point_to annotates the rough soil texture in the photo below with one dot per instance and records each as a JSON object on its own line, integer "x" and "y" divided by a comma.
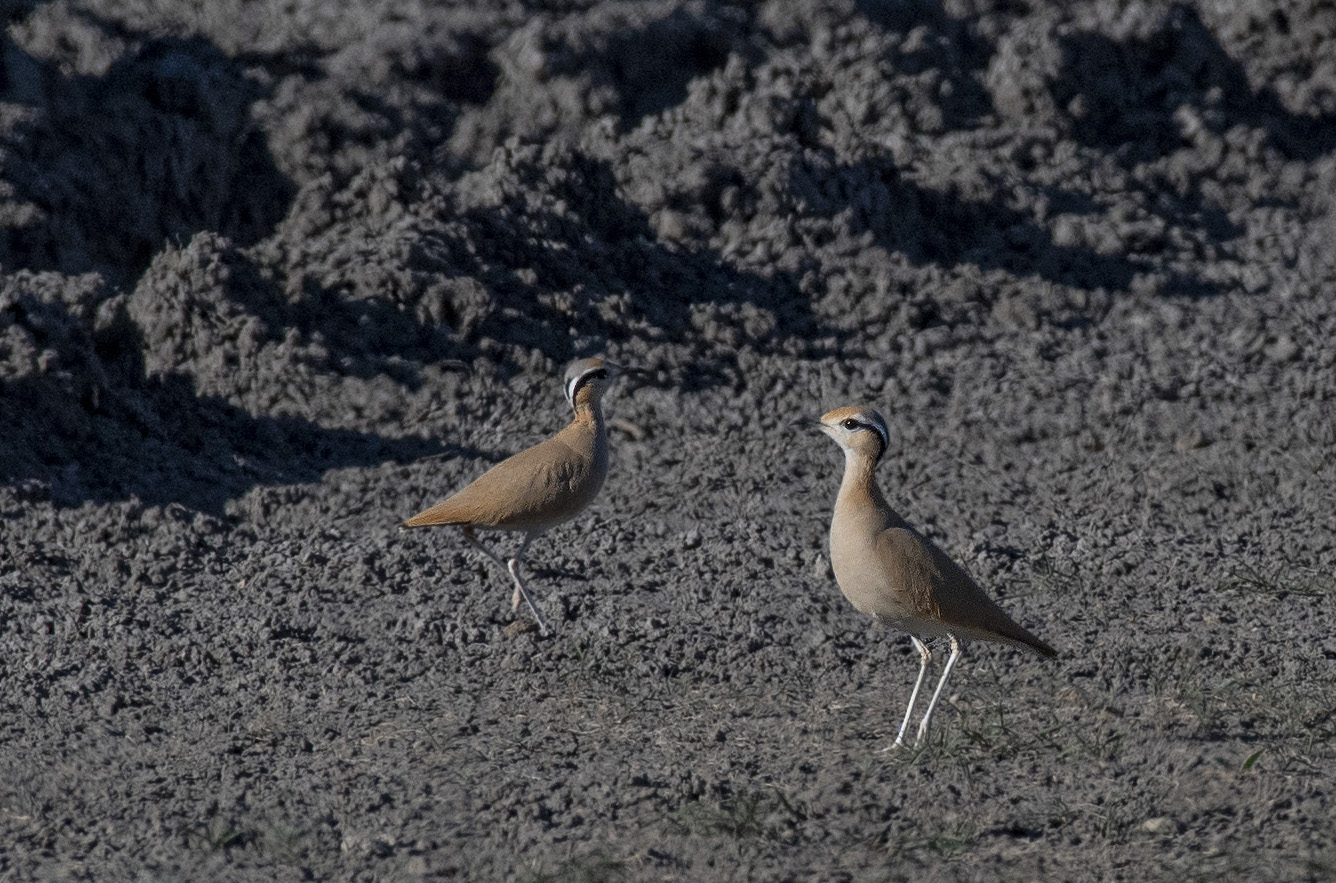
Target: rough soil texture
{"x": 1082, "y": 257}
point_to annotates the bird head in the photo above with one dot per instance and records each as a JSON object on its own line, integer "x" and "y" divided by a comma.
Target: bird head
{"x": 588, "y": 379}
{"x": 858, "y": 430}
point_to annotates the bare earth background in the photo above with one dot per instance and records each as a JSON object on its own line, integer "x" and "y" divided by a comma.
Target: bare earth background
{"x": 1081, "y": 256}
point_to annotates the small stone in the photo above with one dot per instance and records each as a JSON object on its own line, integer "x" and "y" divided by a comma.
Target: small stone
{"x": 1191, "y": 440}
{"x": 1283, "y": 350}
{"x": 1066, "y": 234}
{"x": 672, "y": 226}
{"x": 1159, "y": 825}
{"x": 519, "y": 627}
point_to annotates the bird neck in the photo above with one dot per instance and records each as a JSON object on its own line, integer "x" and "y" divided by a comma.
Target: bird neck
{"x": 589, "y": 416}
{"x": 587, "y": 434}
{"x": 858, "y": 489}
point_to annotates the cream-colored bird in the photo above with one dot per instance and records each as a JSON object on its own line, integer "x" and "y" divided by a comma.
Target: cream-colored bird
{"x": 890, "y": 571}
{"x": 541, "y": 487}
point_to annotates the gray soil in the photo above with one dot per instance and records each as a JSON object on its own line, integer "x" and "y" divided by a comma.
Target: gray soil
{"x": 1081, "y": 256}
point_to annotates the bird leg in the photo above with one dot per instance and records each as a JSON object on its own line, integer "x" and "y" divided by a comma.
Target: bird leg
{"x": 477, "y": 544}
{"x": 521, "y": 591}
{"x": 513, "y": 569}
{"x": 937, "y": 694}
{"x": 925, "y": 656}
{"x": 519, "y": 587}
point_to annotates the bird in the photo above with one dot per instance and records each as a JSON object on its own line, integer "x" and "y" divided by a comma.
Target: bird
{"x": 540, "y": 487}
{"x": 890, "y": 571}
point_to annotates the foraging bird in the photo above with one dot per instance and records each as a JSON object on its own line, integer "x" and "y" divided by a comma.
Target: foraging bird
{"x": 890, "y": 571}
{"x": 540, "y": 487}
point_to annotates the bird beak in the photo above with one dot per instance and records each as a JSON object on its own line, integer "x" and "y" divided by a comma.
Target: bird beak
{"x": 808, "y": 423}
{"x": 625, "y": 369}
{"x": 629, "y": 371}
{"x": 456, "y": 365}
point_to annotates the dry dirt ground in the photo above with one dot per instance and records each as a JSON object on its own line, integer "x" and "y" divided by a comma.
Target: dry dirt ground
{"x": 1081, "y": 256}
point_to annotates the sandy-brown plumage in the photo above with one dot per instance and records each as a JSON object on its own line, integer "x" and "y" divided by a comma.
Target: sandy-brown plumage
{"x": 890, "y": 571}
{"x": 542, "y": 486}
{"x": 539, "y": 487}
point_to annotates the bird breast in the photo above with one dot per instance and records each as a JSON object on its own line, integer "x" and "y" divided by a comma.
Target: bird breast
{"x": 880, "y": 563}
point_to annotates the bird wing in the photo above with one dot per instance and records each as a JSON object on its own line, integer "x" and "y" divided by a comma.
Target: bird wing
{"x": 536, "y": 486}
{"x": 938, "y": 588}
{"x": 910, "y": 570}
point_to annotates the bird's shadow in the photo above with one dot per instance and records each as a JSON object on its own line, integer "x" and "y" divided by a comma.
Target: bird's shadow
{"x": 558, "y": 573}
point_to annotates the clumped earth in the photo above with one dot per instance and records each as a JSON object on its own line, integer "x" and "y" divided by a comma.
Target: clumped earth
{"x": 279, "y": 274}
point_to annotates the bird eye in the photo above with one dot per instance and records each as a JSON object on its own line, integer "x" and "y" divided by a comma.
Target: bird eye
{"x": 850, "y": 423}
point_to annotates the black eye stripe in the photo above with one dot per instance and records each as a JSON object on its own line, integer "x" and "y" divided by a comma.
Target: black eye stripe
{"x": 582, "y": 379}
{"x": 854, "y": 424}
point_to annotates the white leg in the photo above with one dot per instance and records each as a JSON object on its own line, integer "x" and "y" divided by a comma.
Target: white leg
{"x": 937, "y": 694}
{"x": 520, "y": 590}
{"x": 925, "y": 656}
{"x": 512, "y": 568}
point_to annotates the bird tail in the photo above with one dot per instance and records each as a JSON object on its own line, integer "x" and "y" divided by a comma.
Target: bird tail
{"x": 1043, "y": 649}
{"x": 1025, "y": 639}
{"x": 439, "y": 515}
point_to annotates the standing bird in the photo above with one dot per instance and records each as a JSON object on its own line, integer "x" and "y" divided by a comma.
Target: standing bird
{"x": 889, "y": 570}
{"x": 540, "y": 487}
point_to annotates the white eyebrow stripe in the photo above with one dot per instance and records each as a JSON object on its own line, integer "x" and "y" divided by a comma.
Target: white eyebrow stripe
{"x": 573, "y": 386}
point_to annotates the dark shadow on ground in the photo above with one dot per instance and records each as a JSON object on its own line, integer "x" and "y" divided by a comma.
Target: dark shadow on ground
{"x": 359, "y": 336}
{"x": 945, "y": 44}
{"x": 650, "y": 66}
{"x": 1129, "y": 96}
{"x": 597, "y": 245}
{"x": 942, "y": 227}
{"x": 93, "y": 426}
{"x": 107, "y": 169}
{"x": 1143, "y": 100}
